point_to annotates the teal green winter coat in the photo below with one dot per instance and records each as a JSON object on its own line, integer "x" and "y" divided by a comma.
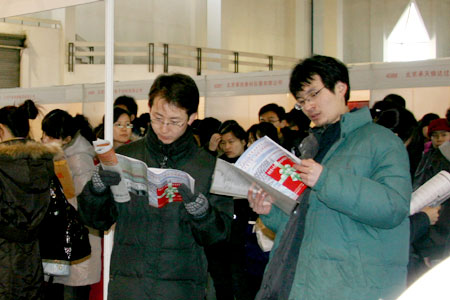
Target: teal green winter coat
{"x": 356, "y": 237}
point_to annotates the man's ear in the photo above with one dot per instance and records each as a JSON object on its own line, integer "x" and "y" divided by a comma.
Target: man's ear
{"x": 192, "y": 118}
{"x": 341, "y": 88}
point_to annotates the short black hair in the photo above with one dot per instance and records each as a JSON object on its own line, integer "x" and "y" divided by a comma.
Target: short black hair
{"x": 264, "y": 129}
{"x": 278, "y": 110}
{"x": 328, "y": 68}
{"x": 395, "y": 99}
{"x": 233, "y": 127}
{"x": 128, "y": 102}
{"x": 177, "y": 89}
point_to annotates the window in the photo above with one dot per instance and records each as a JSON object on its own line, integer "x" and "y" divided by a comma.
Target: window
{"x": 409, "y": 40}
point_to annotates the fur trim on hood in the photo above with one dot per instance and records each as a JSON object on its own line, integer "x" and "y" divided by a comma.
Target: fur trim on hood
{"x": 21, "y": 148}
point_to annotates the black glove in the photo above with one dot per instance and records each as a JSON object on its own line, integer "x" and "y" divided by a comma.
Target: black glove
{"x": 102, "y": 179}
{"x": 196, "y": 204}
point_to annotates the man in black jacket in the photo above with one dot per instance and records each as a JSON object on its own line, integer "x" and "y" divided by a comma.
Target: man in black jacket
{"x": 158, "y": 252}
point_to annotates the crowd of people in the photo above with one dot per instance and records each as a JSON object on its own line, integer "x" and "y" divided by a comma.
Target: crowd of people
{"x": 349, "y": 236}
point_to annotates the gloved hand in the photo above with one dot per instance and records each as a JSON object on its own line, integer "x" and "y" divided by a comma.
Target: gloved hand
{"x": 196, "y": 204}
{"x": 102, "y": 179}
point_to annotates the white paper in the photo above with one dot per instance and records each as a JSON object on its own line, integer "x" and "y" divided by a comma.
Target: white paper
{"x": 432, "y": 193}
{"x": 261, "y": 159}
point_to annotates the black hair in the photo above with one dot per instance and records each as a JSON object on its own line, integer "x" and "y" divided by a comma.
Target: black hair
{"x": 99, "y": 131}
{"x": 142, "y": 123}
{"x": 206, "y": 128}
{"x": 298, "y": 117}
{"x": 59, "y": 124}
{"x": 177, "y": 89}
{"x": 278, "y": 110}
{"x": 16, "y": 118}
{"x": 395, "y": 99}
{"x": 128, "y": 102}
{"x": 262, "y": 129}
{"x": 233, "y": 127}
{"x": 328, "y": 68}
{"x": 426, "y": 119}
{"x": 400, "y": 120}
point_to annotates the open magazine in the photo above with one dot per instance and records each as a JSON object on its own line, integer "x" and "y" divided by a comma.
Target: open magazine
{"x": 267, "y": 164}
{"x": 432, "y": 193}
{"x": 159, "y": 185}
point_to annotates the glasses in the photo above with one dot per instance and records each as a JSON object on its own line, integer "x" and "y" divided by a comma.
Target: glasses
{"x": 301, "y": 102}
{"x": 161, "y": 122}
{"x": 122, "y": 126}
{"x": 273, "y": 121}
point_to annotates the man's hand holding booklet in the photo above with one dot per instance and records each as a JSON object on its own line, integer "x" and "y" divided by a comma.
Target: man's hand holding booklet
{"x": 269, "y": 166}
{"x": 159, "y": 185}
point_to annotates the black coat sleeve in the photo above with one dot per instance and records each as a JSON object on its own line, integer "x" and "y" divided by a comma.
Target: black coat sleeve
{"x": 216, "y": 225}
{"x": 419, "y": 224}
{"x": 97, "y": 210}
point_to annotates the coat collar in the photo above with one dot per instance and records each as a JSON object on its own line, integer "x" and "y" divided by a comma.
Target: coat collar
{"x": 355, "y": 119}
{"x": 174, "y": 152}
{"x": 21, "y": 148}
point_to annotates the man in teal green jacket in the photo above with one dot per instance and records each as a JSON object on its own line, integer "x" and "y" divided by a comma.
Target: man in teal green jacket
{"x": 348, "y": 237}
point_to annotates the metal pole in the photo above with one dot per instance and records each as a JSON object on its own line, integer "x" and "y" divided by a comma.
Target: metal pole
{"x": 109, "y": 101}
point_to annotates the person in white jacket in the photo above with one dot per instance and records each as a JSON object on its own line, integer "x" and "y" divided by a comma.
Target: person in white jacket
{"x": 75, "y": 136}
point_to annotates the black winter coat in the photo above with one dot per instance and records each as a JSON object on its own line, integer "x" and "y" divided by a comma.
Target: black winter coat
{"x": 158, "y": 252}
{"x": 26, "y": 168}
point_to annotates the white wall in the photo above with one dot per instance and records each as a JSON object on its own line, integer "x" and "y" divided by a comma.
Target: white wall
{"x": 41, "y": 60}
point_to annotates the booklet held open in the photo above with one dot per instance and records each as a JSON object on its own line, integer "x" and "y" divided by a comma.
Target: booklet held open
{"x": 267, "y": 164}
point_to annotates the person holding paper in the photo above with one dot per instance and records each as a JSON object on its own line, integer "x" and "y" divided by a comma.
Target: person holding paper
{"x": 75, "y": 136}
{"x": 158, "y": 252}
{"x": 430, "y": 228}
{"x": 348, "y": 237}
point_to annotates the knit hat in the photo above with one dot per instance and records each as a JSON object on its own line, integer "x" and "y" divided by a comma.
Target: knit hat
{"x": 438, "y": 125}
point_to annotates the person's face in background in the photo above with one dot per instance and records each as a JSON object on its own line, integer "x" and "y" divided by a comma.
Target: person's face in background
{"x": 168, "y": 121}
{"x": 272, "y": 117}
{"x": 122, "y": 130}
{"x": 439, "y": 137}
{"x": 231, "y": 145}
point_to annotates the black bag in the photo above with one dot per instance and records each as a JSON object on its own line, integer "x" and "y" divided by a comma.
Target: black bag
{"x": 62, "y": 237}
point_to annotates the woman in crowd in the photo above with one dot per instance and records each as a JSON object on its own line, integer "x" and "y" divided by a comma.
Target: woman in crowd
{"x": 430, "y": 228}
{"x": 122, "y": 129}
{"x": 26, "y": 168}
{"x": 75, "y": 136}
{"x": 228, "y": 260}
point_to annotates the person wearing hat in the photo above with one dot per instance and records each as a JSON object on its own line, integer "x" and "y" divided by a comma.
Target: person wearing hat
{"x": 430, "y": 228}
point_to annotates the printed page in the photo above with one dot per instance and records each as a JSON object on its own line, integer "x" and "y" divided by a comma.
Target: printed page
{"x": 432, "y": 193}
{"x": 228, "y": 181}
{"x": 267, "y": 164}
{"x": 159, "y": 185}
{"x": 270, "y": 163}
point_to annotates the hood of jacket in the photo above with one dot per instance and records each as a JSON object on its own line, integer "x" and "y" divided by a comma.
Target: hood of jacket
{"x": 27, "y": 163}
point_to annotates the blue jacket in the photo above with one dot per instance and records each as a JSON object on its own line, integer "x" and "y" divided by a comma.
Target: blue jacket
{"x": 356, "y": 237}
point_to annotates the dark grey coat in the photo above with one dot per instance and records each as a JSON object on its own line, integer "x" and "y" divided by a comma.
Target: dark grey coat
{"x": 158, "y": 252}
{"x": 26, "y": 168}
